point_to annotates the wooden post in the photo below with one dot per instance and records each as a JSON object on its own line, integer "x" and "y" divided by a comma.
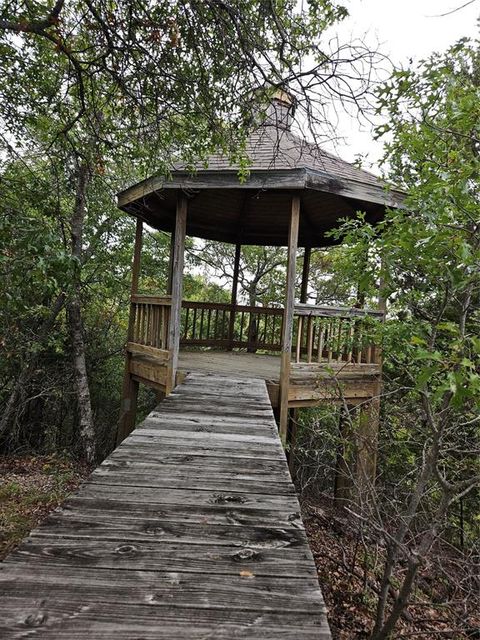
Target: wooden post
{"x": 128, "y": 407}
{"x": 292, "y": 438}
{"x": 176, "y": 289}
{"x": 305, "y": 272}
{"x": 369, "y": 423}
{"x": 344, "y": 480}
{"x": 288, "y": 316}
{"x": 170, "y": 263}
{"x": 366, "y": 448}
{"x": 233, "y": 299}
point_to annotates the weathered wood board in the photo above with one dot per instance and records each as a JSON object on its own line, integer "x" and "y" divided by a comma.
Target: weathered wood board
{"x": 190, "y": 529}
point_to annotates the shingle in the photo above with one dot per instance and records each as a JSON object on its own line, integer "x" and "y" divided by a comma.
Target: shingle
{"x": 274, "y": 148}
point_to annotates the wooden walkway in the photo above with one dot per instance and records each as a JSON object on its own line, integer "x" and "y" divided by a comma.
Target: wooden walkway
{"x": 190, "y": 529}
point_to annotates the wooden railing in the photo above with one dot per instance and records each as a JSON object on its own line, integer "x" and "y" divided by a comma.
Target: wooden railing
{"x": 211, "y": 324}
{"x": 320, "y": 334}
{"x": 335, "y": 335}
{"x": 149, "y": 321}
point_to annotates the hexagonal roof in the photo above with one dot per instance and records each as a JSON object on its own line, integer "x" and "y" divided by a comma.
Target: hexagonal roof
{"x": 258, "y": 210}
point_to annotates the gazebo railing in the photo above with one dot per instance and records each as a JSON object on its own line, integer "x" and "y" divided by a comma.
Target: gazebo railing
{"x": 149, "y": 317}
{"x": 321, "y": 334}
{"x": 222, "y": 325}
{"x": 335, "y": 335}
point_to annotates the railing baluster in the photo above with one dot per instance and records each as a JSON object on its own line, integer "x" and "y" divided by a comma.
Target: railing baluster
{"x": 242, "y": 319}
{"x": 329, "y": 340}
{"x": 369, "y": 354}
{"x": 223, "y": 324}
{"x": 201, "y": 324}
{"x": 194, "y": 322}
{"x": 351, "y": 332}
{"x": 339, "y": 340}
{"x": 321, "y": 336}
{"x": 299, "y": 337}
{"x": 209, "y": 320}
{"x": 151, "y": 327}
{"x": 309, "y": 339}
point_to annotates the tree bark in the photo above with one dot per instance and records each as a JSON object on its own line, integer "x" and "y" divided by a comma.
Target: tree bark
{"x": 75, "y": 323}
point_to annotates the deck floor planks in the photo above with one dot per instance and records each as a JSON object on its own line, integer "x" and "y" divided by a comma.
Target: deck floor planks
{"x": 190, "y": 529}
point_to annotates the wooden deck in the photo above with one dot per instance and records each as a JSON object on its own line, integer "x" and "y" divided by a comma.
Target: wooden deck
{"x": 228, "y": 363}
{"x": 190, "y": 529}
{"x": 309, "y": 384}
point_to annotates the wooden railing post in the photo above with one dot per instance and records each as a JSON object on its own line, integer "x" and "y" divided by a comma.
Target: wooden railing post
{"x": 128, "y": 408}
{"x": 177, "y": 288}
{"x": 305, "y": 273}
{"x": 288, "y": 316}
{"x": 233, "y": 299}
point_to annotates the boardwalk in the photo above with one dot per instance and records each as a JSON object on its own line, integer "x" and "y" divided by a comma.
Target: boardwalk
{"x": 190, "y": 529}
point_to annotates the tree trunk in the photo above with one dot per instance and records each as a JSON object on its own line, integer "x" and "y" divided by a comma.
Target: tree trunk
{"x": 75, "y": 323}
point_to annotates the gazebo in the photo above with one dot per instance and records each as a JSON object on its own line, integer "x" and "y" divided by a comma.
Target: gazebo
{"x": 295, "y": 193}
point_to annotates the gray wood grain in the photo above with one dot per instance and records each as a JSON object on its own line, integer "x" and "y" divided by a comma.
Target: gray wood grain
{"x": 190, "y": 529}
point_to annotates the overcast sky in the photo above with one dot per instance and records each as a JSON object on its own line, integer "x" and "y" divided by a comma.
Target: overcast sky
{"x": 403, "y": 30}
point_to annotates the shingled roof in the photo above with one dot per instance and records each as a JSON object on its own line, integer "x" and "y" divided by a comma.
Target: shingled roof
{"x": 271, "y": 148}
{"x": 257, "y": 211}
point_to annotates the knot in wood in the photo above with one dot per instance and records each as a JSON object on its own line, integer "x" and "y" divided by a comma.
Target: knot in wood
{"x": 125, "y": 548}
{"x": 246, "y": 554}
{"x": 220, "y": 498}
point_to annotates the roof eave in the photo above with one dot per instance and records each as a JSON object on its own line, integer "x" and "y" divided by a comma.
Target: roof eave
{"x": 364, "y": 191}
{"x": 285, "y": 179}
{"x": 282, "y": 179}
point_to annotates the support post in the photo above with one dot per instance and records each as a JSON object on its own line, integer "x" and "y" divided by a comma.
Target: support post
{"x": 233, "y": 299}
{"x": 288, "y": 312}
{"x": 367, "y": 447}
{"x": 344, "y": 470}
{"x": 176, "y": 289}
{"x": 292, "y": 438}
{"x": 128, "y": 408}
{"x": 369, "y": 423}
{"x": 305, "y": 273}
{"x": 170, "y": 263}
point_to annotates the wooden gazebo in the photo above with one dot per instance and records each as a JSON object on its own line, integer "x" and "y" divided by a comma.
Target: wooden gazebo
{"x": 295, "y": 193}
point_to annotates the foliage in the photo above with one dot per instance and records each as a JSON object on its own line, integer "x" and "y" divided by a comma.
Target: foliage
{"x": 427, "y": 256}
{"x": 32, "y": 486}
{"x": 96, "y": 94}
{"x": 152, "y": 81}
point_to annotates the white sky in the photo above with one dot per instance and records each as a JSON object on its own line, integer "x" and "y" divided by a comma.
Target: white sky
{"x": 403, "y": 30}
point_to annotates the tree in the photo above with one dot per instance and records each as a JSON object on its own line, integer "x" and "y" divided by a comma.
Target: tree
{"x": 96, "y": 87}
{"x": 431, "y": 271}
{"x": 261, "y": 274}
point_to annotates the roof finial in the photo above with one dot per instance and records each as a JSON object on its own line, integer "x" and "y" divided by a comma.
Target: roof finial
{"x": 281, "y": 109}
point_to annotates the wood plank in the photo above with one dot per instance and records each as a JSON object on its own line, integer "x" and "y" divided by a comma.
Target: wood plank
{"x": 144, "y": 447}
{"x": 177, "y": 463}
{"x": 325, "y": 311}
{"x": 121, "y": 513}
{"x": 190, "y": 529}
{"x": 272, "y": 470}
{"x": 148, "y": 556}
{"x": 151, "y": 495}
{"x": 155, "y": 300}
{"x": 162, "y": 356}
{"x": 65, "y": 619}
{"x": 207, "y": 482}
{"x": 159, "y": 588}
{"x": 151, "y": 371}
{"x": 207, "y": 437}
